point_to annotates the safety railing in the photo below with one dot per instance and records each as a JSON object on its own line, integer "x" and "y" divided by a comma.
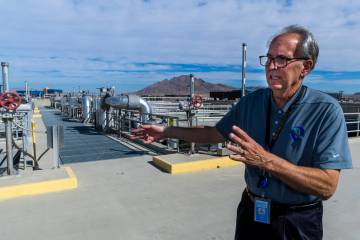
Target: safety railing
{"x": 353, "y": 123}
{"x": 123, "y": 121}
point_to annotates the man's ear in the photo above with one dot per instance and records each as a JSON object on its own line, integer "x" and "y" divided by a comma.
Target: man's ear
{"x": 308, "y": 64}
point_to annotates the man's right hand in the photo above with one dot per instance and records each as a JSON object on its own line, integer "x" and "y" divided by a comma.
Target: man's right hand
{"x": 149, "y": 133}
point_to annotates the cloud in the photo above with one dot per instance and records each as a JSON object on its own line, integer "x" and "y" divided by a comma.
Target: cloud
{"x": 100, "y": 39}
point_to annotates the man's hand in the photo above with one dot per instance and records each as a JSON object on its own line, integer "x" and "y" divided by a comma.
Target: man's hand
{"x": 319, "y": 182}
{"x": 149, "y": 133}
{"x": 247, "y": 150}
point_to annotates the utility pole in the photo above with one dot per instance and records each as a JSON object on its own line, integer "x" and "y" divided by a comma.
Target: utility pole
{"x": 191, "y": 112}
{"x": 243, "y": 70}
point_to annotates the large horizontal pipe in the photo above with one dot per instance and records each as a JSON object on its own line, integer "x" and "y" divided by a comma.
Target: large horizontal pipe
{"x": 27, "y": 107}
{"x": 131, "y": 102}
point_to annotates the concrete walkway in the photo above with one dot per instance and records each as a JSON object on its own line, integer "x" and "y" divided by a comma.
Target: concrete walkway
{"x": 342, "y": 211}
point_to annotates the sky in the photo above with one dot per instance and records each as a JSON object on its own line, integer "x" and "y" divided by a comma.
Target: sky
{"x": 130, "y": 44}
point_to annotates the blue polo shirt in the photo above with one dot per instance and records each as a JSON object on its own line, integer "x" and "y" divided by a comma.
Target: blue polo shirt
{"x": 313, "y": 136}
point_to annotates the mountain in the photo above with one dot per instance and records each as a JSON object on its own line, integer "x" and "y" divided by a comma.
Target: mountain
{"x": 181, "y": 86}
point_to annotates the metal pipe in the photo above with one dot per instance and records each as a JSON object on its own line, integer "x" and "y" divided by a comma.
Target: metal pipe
{"x": 358, "y": 126}
{"x": 107, "y": 120}
{"x": 34, "y": 142}
{"x": 192, "y": 85}
{"x": 5, "y": 76}
{"x": 100, "y": 114}
{"x": 8, "y": 121}
{"x": 26, "y": 91}
{"x": 86, "y": 108}
{"x": 25, "y": 138}
{"x": 190, "y": 114}
{"x": 131, "y": 102}
{"x": 55, "y": 142}
{"x": 144, "y": 109}
{"x": 9, "y": 152}
{"x": 129, "y": 123}
{"x": 243, "y": 69}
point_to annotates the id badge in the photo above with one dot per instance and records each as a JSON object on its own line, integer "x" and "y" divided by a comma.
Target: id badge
{"x": 262, "y": 210}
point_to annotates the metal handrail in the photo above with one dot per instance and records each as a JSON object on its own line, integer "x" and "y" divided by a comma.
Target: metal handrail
{"x": 352, "y": 122}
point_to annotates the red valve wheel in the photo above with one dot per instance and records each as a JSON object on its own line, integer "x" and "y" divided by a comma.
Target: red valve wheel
{"x": 197, "y": 101}
{"x": 10, "y": 100}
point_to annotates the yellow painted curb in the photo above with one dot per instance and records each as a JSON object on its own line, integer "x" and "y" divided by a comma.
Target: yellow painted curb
{"x": 194, "y": 166}
{"x": 37, "y": 115}
{"x": 40, "y": 187}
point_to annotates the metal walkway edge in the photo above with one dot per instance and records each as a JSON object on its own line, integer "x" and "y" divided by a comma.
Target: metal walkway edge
{"x": 83, "y": 143}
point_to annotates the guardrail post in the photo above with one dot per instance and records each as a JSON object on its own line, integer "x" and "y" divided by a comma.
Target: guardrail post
{"x": 33, "y": 137}
{"x": 122, "y": 122}
{"x": 24, "y": 139}
{"x": 118, "y": 119}
{"x": 129, "y": 116}
{"x": 56, "y": 162}
{"x": 358, "y": 125}
{"x": 55, "y": 140}
{"x": 9, "y": 153}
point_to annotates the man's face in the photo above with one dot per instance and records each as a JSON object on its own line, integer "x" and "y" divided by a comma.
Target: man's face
{"x": 286, "y": 80}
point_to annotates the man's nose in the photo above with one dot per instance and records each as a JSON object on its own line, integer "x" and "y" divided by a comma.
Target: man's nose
{"x": 272, "y": 64}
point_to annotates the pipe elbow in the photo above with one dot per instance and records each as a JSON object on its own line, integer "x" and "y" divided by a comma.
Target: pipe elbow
{"x": 145, "y": 107}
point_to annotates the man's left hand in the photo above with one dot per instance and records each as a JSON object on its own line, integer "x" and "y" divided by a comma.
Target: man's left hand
{"x": 247, "y": 150}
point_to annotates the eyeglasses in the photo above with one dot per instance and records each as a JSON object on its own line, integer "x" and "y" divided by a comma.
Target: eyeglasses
{"x": 279, "y": 61}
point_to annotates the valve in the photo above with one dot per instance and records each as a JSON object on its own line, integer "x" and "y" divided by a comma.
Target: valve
{"x": 197, "y": 101}
{"x": 10, "y": 100}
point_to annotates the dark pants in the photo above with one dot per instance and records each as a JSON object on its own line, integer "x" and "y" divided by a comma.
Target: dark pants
{"x": 286, "y": 223}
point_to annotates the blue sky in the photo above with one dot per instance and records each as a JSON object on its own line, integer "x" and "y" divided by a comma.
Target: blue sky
{"x": 129, "y": 44}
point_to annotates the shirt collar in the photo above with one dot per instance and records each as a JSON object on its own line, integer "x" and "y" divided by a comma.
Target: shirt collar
{"x": 288, "y": 103}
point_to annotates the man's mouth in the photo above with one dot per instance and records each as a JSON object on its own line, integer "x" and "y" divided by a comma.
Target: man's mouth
{"x": 275, "y": 82}
{"x": 272, "y": 77}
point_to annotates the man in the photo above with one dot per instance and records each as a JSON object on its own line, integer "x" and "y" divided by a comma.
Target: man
{"x": 291, "y": 138}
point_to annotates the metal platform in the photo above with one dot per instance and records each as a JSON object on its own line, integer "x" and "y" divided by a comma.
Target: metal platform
{"x": 83, "y": 143}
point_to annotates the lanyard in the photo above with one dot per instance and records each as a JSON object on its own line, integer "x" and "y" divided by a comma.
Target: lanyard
{"x": 270, "y": 143}
{"x": 263, "y": 179}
